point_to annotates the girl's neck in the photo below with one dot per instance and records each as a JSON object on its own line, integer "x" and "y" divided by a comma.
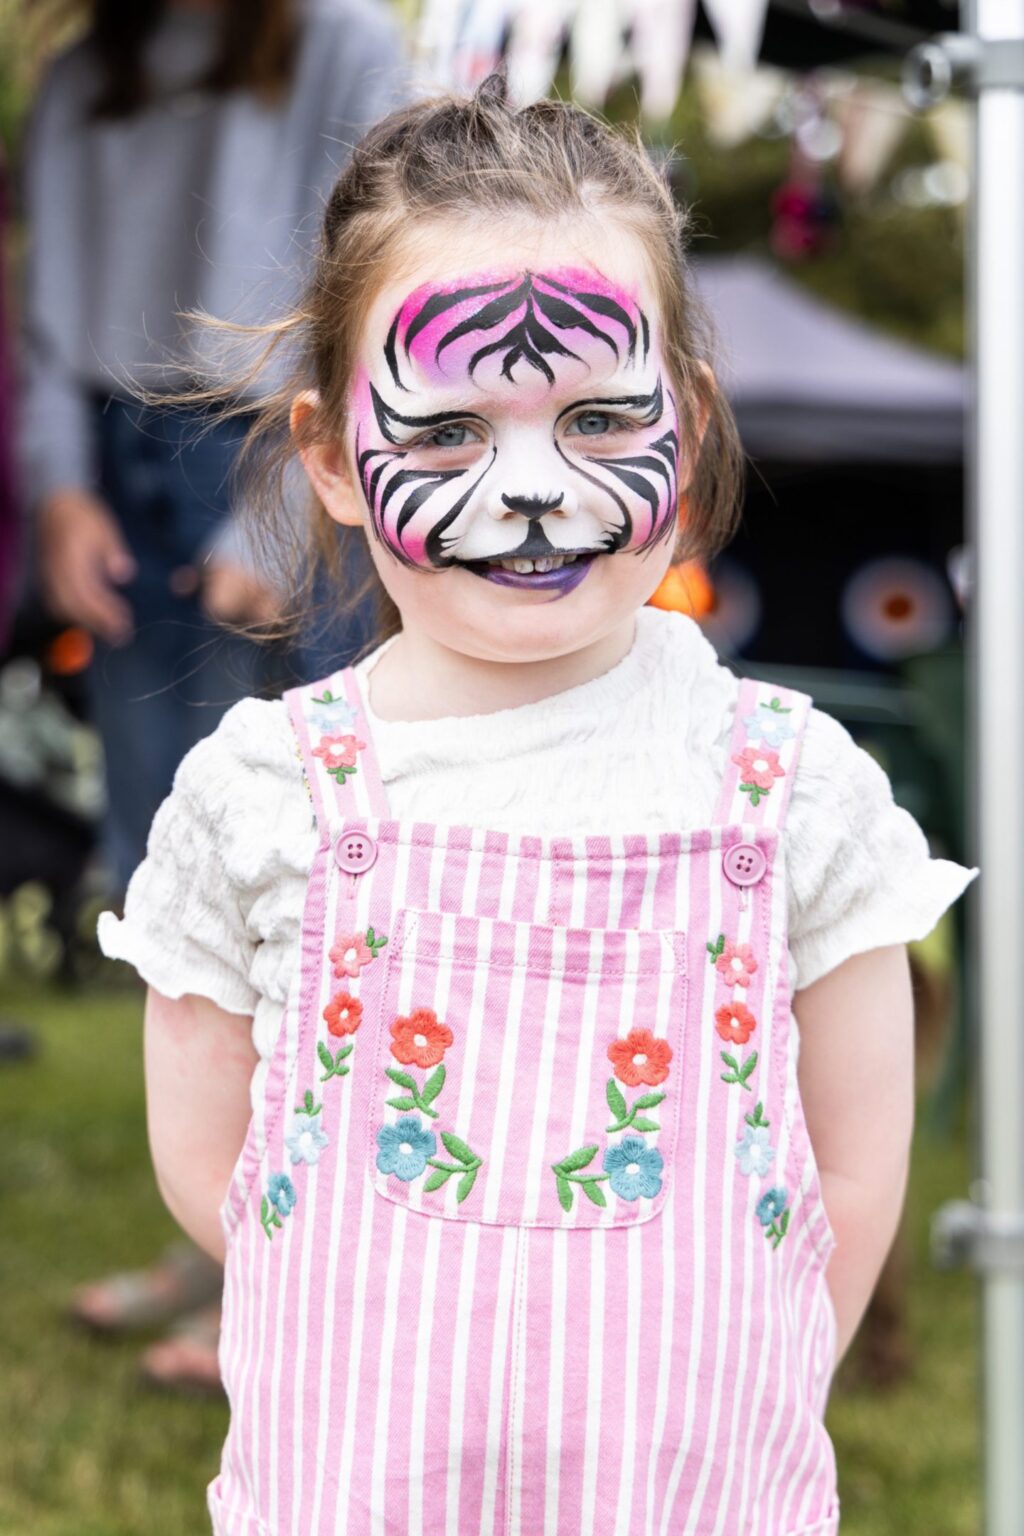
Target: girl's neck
{"x": 419, "y": 679}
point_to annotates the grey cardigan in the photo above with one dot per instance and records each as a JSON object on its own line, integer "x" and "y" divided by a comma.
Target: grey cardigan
{"x": 196, "y": 201}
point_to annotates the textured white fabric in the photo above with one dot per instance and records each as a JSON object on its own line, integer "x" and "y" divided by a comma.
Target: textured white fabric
{"x": 215, "y": 908}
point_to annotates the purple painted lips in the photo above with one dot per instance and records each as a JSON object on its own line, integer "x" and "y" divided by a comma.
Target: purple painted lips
{"x": 561, "y": 579}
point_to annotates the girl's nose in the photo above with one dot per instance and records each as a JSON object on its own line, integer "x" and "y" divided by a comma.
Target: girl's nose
{"x": 534, "y": 506}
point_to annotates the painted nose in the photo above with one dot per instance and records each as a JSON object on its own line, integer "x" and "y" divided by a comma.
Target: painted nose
{"x": 534, "y": 507}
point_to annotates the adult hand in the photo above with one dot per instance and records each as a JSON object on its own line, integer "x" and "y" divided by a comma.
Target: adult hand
{"x": 83, "y": 558}
{"x": 233, "y": 594}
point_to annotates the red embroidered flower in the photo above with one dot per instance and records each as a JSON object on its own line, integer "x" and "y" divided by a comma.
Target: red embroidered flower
{"x": 338, "y": 751}
{"x": 735, "y": 1023}
{"x": 736, "y": 964}
{"x": 343, "y": 1014}
{"x": 640, "y": 1058}
{"x": 421, "y": 1039}
{"x": 349, "y": 953}
{"x": 759, "y": 766}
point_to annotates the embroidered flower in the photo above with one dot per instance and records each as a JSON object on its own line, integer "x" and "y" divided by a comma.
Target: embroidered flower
{"x": 771, "y": 1206}
{"x": 343, "y": 1014}
{"x": 349, "y": 953}
{"x": 338, "y": 752}
{"x": 755, "y": 1152}
{"x": 633, "y": 1168}
{"x": 281, "y": 1193}
{"x": 759, "y": 767}
{"x": 421, "y": 1039}
{"x": 405, "y": 1147}
{"x": 306, "y": 1139}
{"x": 334, "y": 714}
{"x": 767, "y": 725}
{"x": 640, "y": 1058}
{"x": 736, "y": 964}
{"x": 735, "y": 1023}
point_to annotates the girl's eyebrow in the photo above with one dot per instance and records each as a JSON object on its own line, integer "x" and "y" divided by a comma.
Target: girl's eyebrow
{"x": 386, "y": 417}
{"x": 651, "y": 405}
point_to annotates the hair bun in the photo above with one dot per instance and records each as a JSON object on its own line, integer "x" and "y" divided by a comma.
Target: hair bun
{"x": 493, "y": 91}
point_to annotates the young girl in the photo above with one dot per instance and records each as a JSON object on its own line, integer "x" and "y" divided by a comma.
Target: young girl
{"x": 478, "y": 973}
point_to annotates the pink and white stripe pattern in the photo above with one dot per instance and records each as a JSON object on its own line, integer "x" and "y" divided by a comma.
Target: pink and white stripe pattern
{"x": 624, "y": 1347}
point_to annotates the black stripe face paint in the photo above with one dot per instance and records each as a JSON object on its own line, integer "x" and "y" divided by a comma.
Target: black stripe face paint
{"x": 517, "y": 416}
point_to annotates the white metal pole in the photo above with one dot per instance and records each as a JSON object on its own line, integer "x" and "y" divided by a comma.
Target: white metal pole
{"x": 996, "y": 479}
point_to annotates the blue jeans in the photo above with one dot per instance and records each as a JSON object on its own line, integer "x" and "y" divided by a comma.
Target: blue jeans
{"x": 166, "y": 475}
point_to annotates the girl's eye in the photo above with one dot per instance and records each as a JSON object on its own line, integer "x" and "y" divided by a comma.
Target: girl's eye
{"x": 454, "y": 436}
{"x": 593, "y": 424}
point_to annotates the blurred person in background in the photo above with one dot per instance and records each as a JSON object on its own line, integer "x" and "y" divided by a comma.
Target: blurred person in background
{"x": 177, "y": 159}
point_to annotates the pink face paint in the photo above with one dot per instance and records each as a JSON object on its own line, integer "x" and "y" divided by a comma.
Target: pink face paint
{"x": 517, "y": 416}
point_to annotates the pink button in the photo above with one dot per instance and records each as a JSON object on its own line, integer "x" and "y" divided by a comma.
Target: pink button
{"x": 355, "y": 853}
{"x": 744, "y": 864}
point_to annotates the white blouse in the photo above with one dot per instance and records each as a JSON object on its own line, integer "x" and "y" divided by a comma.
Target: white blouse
{"x": 215, "y": 908}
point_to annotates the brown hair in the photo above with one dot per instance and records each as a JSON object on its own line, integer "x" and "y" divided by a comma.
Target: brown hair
{"x": 257, "y": 50}
{"x": 473, "y": 159}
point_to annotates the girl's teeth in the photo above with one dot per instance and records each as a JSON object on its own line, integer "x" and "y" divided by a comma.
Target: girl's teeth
{"x": 524, "y": 567}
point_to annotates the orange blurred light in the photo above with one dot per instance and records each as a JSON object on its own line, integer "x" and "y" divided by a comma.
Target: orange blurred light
{"x": 685, "y": 589}
{"x": 69, "y": 653}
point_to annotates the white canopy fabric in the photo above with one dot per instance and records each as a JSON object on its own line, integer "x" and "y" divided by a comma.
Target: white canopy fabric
{"x": 811, "y": 384}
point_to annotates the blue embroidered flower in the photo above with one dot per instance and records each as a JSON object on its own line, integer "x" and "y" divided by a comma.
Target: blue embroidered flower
{"x": 634, "y": 1168}
{"x": 771, "y": 1206}
{"x": 306, "y": 1139}
{"x": 765, "y": 725}
{"x": 405, "y": 1147}
{"x": 281, "y": 1193}
{"x": 334, "y": 715}
{"x": 755, "y": 1151}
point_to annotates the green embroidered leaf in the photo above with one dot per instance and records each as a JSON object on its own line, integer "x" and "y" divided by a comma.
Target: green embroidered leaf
{"x": 616, "y": 1100}
{"x": 576, "y": 1160}
{"x": 757, "y": 1118}
{"x": 326, "y": 1059}
{"x": 401, "y": 1078}
{"x": 648, "y": 1100}
{"x": 784, "y": 1223}
{"x": 457, "y": 1147}
{"x": 640, "y": 1123}
{"x": 402, "y": 1103}
{"x": 466, "y": 1183}
{"x": 748, "y": 1067}
{"x": 714, "y": 950}
{"x": 437, "y": 1178}
{"x": 346, "y": 1050}
{"x": 594, "y": 1192}
{"x": 433, "y": 1085}
{"x": 564, "y": 1193}
{"x": 730, "y": 1061}
{"x": 264, "y": 1208}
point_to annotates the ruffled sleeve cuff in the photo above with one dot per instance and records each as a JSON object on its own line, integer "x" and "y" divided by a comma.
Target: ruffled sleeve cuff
{"x": 193, "y": 910}
{"x": 861, "y": 876}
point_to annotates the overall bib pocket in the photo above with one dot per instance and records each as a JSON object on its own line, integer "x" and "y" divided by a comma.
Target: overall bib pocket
{"x": 527, "y": 1075}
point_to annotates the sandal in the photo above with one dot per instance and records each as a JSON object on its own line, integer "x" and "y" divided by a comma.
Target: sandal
{"x": 185, "y": 1362}
{"x": 133, "y": 1300}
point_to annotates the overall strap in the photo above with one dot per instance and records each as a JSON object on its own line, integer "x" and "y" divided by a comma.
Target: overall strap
{"x": 767, "y": 733}
{"x": 338, "y": 755}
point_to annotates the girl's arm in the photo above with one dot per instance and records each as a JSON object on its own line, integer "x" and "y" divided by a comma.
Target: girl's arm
{"x": 856, "y": 1073}
{"x": 199, "y": 1064}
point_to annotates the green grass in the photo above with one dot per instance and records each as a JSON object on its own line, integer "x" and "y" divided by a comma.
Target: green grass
{"x": 86, "y": 1451}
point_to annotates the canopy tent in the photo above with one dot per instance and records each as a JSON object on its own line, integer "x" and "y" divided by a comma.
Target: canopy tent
{"x": 810, "y": 384}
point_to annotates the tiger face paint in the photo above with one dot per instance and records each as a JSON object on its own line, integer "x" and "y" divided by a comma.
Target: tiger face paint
{"x": 518, "y": 425}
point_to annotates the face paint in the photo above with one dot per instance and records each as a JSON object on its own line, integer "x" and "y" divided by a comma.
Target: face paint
{"x": 517, "y": 425}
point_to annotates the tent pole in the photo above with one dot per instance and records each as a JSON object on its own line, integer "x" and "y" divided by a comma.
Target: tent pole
{"x": 987, "y": 57}
{"x": 996, "y": 471}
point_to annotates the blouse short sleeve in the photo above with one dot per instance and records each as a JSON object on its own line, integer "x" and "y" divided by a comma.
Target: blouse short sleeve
{"x": 229, "y": 851}
{"x": 860, "y": 870}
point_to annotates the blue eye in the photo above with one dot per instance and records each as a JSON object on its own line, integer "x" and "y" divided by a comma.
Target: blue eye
{"x": 592, "y": 424}
{"x": 454, "y": 436}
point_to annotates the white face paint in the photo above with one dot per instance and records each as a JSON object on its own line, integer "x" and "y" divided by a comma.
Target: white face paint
{"x": 516, "y": 424}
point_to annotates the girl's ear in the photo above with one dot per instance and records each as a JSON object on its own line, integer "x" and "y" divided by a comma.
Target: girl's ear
{"x": 327, "y": 466}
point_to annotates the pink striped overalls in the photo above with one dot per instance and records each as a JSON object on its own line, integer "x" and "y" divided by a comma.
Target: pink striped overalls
{"x": 536, "y": 1245}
